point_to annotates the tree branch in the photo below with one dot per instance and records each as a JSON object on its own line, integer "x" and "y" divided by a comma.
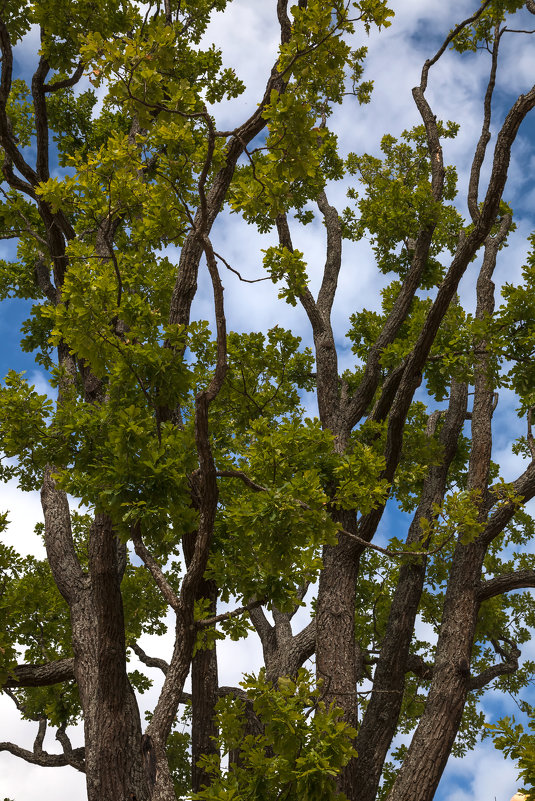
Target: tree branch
{"x": 212, "y": 621}
{"x": 59, "y": 543}
{"x": 66, "y": 83}
{"x": 75, "y": 758}
{"x": 154, "y": 568}
{"x": 484, "y": 138}
{"x": 41, "y": 675}
{"x": 41, "y": 119}
{"x": 150, "y": 661}
{"x": 509, "y": 665}
{"x": 520, "y": 579}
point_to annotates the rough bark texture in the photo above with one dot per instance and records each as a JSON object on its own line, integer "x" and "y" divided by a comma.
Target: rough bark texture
{"x": 204, "y": 687}
{"x": 113, "y": 756}
{"x": 373, "y": 741}
{"x": 434, "y": 736}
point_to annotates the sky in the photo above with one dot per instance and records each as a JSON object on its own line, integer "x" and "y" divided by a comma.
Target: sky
{"x": 247, "y": 33}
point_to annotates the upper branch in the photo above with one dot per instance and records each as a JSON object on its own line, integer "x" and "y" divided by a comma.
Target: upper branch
{"x": 154, "y": 568}
{"x": 186, "y": 282}
{"x": 455, "y": 32}
{"x": 66, "y": 83}
{"x": 484, "y": 138}
{"x": 524, "y": 486}
{"x": 150, "y": 661}
{"x": 334, "y": 256}
{"x": 319, "y": 313}
{"x": 7, "y": 139}
{"x": 41, "y": 118}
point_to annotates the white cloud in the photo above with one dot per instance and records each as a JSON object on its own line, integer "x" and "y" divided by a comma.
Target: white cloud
{"x": 24, "y": 511}
{"x": 19, "y": 780}
{"x": 482, "y": 775}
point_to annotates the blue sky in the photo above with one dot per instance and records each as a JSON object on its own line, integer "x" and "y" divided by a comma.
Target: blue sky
{"x": 247, "y": 33}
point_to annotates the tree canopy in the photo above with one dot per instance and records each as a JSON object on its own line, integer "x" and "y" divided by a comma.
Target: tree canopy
{"x": 203, "y": 483}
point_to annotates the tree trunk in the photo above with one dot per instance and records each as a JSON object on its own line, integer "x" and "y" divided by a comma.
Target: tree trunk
{"x": 374, "y": 740}
{"x": 439, "y": 724}
{"x": 204, "y": 694}
{"x": 114, "y": 759}
{"x": 204, "y": 685}
{"x": 336, "y": 656}
{"x": 113, "y": 727}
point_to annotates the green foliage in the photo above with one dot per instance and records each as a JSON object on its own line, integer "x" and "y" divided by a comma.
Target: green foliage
{"x": 398, "y": 203}
{"x": 301, "y": 750}
{"x": 511, "y": 738}
{"x": 282, "y": 263}
{"x": 481, "y": 32}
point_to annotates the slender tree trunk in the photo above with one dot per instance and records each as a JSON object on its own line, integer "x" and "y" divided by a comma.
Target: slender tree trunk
{"x": 385, "y": 703}
{"x": 204, "y": 694}
{"x": 439, "y": 724}
{"x": 204, "y": 685}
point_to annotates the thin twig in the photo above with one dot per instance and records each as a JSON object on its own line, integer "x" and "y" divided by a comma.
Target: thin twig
{"x": 211, "y": 621}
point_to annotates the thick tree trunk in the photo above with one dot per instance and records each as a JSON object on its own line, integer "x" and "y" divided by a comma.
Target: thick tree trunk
{"x": 113, "y": 753}
{"x": 336, "y": 656}
{"x": 113, "y": 728}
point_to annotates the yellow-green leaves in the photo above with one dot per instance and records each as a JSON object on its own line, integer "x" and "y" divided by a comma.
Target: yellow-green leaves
{"x": 515, "y": 742}
{"x": 24, "y": 428}
{"x": 282, "y": 263}
{"x": 374, "y": 11}
{"x": 398, "y": 203}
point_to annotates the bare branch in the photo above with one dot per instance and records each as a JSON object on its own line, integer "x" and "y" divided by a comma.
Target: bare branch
{"x": 524, "y": 486}
{"x": 66, "y": 83}
{"x": 41, "y": 675}
{"x": 455, "y": 32}
{"x": 232, "y": 270}
{"x": 484, "y": 138}
{"x": 509, "y": 665}
{"x": 212, "y": 621}
{"x": 59, "y": 543}
{"x": 149, "y": 661}
{"x": 333, "y": 260}
{"x": 41, "y": 119}
{"x": 154, "y": 568}
{"x": 73, "y": 757}
{"x": 519, "y": 580}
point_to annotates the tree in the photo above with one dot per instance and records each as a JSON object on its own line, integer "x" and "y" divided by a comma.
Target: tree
{"x": 177, "y": 466}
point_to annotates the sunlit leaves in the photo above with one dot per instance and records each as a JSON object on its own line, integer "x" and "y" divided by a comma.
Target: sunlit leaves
{"x": 282, "y": 263}
{"x": 398, "y": 203}
{"x": 514, "y": 741}
{"x": 481, "y": 32}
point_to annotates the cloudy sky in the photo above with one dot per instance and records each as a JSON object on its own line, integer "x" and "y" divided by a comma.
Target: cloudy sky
{"x": 248, "y": 35}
